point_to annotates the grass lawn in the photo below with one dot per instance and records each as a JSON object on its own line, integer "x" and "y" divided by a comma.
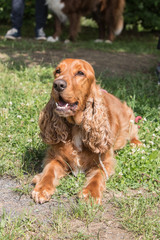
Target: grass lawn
{"x": 25, "y": 89}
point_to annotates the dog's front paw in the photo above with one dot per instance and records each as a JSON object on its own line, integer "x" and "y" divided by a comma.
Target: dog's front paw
{"x": 42, "y": 194}
{"x": 88, "y": 194}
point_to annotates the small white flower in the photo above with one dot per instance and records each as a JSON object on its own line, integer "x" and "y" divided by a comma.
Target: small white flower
{"x": 152, "y": 143}
{"x": 19, "y": 116}
{"x": 131, "y": 121}
{"x": 29, "y": 140}
{"x": 9, "y": 136}
{"x": 133, "y": 150}
{"x": 142, "y": 151}
{"x": 132, "y": 144}
{"x": 157, "y": 129}
{"x": 154, "y": 135}
{"x": 120, "y": 173}
{"x": 143, "y": 157}
{"x": 10, "y": 103}
{"x": 32, "y": 120}
{"x": 144, "y": 119}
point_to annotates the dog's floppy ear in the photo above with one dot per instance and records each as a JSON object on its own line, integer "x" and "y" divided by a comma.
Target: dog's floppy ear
{"x": 96, "y": 133}
{"x": 53, "y": 128}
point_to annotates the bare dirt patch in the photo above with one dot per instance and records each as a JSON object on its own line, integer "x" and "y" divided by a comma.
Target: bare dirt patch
{"x": 104, "y": 227}
{"x": 111, "y": 63}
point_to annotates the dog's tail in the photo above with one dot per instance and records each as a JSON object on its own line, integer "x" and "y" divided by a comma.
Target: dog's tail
{"x": 114, "y": 15}
{"x": 118, "y": 16}
{"x": 119, "y": 26}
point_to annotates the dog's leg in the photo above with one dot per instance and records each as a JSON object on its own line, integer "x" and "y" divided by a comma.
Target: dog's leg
{"x": 58, "y": 28}
{"x": 74, "y": 20}
{"x": 97, "y": 176}
{"x": 101, "y": 27}
{"x": 111, "y": 35}
{"x": 47, "y": 181}
{"x": 58, "y": 31}
{"x": 100, "y": 19}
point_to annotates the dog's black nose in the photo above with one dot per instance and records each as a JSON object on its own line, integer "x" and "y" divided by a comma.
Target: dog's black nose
{"x": 59, "y": 85}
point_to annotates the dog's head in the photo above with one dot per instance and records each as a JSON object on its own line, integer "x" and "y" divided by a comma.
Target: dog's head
{"x": 74, "y": 79}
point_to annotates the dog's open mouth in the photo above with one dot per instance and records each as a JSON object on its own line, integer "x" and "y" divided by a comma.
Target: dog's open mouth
{"x": 64, "y": 106}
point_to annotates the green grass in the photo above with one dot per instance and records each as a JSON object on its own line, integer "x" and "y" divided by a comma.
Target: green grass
{"x": 132, "y": 42}
{"x": 140, "y": 214}
{"x": 17, "y": 228}
{"x": 24, "y": 92}
{"x": 71, "y": 185}
{"x": 86, "y": 212}
{"x": 131, "y": 45}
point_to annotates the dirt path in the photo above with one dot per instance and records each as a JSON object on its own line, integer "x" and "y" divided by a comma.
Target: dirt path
{"x": 118, "y": 63}
{"x": 110, "y": 63}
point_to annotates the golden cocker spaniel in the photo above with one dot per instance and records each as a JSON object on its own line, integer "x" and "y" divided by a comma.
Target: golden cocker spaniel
{"x": 83, "y": 125}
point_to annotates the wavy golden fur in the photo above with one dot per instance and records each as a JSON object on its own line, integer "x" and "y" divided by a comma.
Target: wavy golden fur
{"x": 83, "y": 124}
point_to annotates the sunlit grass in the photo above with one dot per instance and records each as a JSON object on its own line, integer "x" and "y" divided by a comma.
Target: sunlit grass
{"x": 140, "y": 214}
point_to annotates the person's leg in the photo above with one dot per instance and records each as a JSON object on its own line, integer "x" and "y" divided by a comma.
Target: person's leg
{"x": 17, "y": 13}
{"x": 41, "y": 15}
{"x": 16, "y": 18}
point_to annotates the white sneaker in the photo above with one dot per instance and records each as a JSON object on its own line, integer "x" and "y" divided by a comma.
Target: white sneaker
{"x": 40, "y": 34}
{"x": 13, "y": 34}
{"x": 53, "y": 40}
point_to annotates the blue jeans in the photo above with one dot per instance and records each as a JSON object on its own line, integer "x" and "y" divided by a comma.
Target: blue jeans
{"x": 18, "y": 11}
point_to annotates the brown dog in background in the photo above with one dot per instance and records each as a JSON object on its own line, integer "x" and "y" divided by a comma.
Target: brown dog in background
{"x": 83, "y": 125}
{"x": 107, "y": 13}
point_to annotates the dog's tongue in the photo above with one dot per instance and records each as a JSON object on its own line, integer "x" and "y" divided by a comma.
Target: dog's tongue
{"x": 62, "y": 103}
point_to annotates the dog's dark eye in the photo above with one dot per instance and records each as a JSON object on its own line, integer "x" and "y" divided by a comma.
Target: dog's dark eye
{"x": 80, "y": 73}
{"x": 58, "y": 71}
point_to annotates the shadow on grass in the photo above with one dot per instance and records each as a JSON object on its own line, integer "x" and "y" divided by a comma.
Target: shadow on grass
{"x": 19, "y": 58}
{"x": 32, "y": 159}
